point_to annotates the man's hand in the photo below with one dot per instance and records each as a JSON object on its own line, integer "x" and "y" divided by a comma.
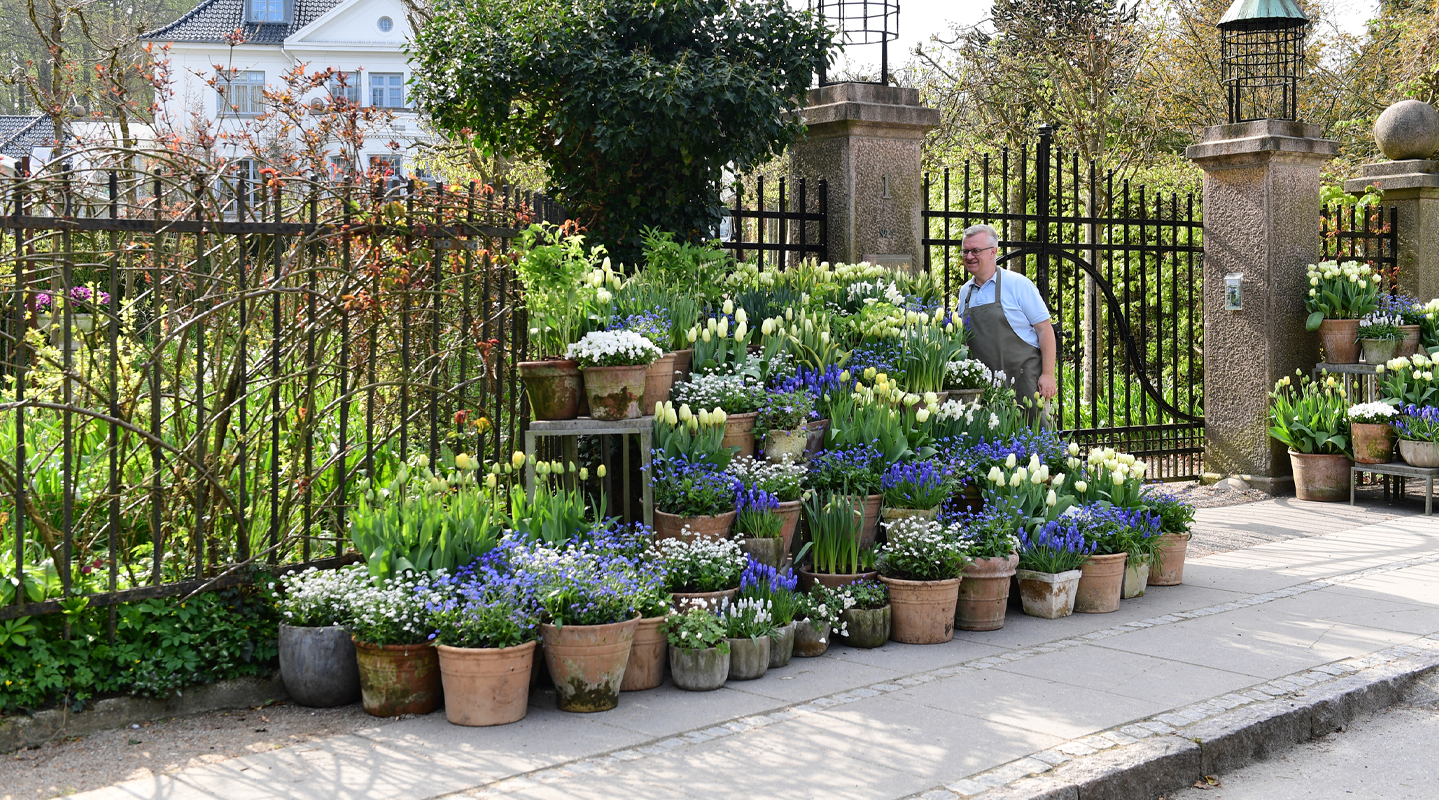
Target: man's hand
{"x": 1047, "y": 386}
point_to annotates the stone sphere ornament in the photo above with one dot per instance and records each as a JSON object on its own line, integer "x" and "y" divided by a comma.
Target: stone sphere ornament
{"x": 1408, "y": 129}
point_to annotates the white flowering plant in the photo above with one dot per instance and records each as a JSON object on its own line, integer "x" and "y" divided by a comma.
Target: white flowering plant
{"x": 922, "y": 550}
{"x": 1340, "y": 291}
{"x": 747, "y": 618}
{"x": 318, "y": 598}
{"x": 736, "y": 394}
{"x": 613, "y": 349}
{"x": 786, "y": 480}
{"x": 1377, "y": 413}
{"x": 700, "y": 565}
{"x": 968, "y": 373}
{"x": 1409, "y": 381}
{"x": 824, "y": 608}
{"x": 393, "y": 611}
{"x": 697, "y": 628}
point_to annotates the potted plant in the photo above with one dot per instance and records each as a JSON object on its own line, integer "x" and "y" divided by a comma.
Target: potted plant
{"x": 646, "y": 667}
{"x": 748, "y": 626}
{"x": 990, "y": 539}
{"x": 817, "y": 614}
{"x": 777, "y": 588}
{"x": 759, "y": 526}
{"x": 1380, "y": 338}
{"x": 921, "y": 564}
{"x": 966, "y": 380}
{"x": 1049, "y": 572}
{"x": 784, "y": 482}
{"x": 784, "y": 418}
{"x": 836, "y": 557}
{"x": 739, "y": 395}
{"x": 485, "y": 629}
{"x": 700, "y": 570}
{"x": 1371, "y": 434}
{"x": 852, "y": 470}
{"x": 398, "y": 665}
{"x": 1168, "y": 566}
{"x": 1409, "y": 381}
{"x": 692, "y": 501}
{"x": 614, "y": 364}
{"x": 1310, "y": 419}
{"x": 699, "y": 653}
{"x": 654, "y": 325}
{"x": 1411, "y": 316}
{"x": 563, "y": 289}
{"x": 590, "y": 615}
{"x": 1340, "y": 296}
{"x": 1417, "y": 428}
{"x": 1102, "y": 576}
{"x": 914, "y": 490}
{"x": 317, "y": 657}
{"x": 866, "y": 618}
{"x": 1143, "y": 539}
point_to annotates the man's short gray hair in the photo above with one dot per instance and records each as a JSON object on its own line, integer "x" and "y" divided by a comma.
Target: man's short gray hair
{"x": 985, "y": 229}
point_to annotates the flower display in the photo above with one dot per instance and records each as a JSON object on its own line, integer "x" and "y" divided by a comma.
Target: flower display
{"x": 318, "y": 598}
{"x": 783, "y": 480}
{"x": 1418, "y": 423}
{"x": 700, "y": 565}
{"x": 1058, "y": 546}
{"x": 756, "y": 513}
{"x": 918, "y": 484}
{"x": 1376, "y": 413}
{"x": 617, "y": 348}
{"x": 922, "y": 550}
{"x": 1340, "y": 291}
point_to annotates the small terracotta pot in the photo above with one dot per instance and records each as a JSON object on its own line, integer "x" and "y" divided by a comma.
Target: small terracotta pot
{"x": 1373, "y": 443}
{"x": 1320, "y": 478}
{"x": 1137, "y": 575}
{"x": 740, "y": 432}
{"x": 674, "y": 526}
{"x": 815, "y": 437}
{"x": 871, "y": 524}
{"x": 829, "y": 581}
{"x": 1410, "y": 342}
{"x": 866, "y": 627}
{"x": 782, "y": 446}
{"x": 1338, "y": 338}
{"x": 646, "y": 667}
{"x": 658, "y": 380}
{"x": 749, "y": 658}
{"x": 1168, "y": 566}
{"x": 682, "y": 364}
{"x": 699, "y": 670}
{"x": 966, "y": 396}
{"x": 1102, "y": 577}
{"x": 587, "y": 663}
{"x": 922, "y": 612}
{"x": 614, "y": 393}
{"x": 1047, "y": 595}
{"x": 789, "y": 513}
{"x": 553, "y": 388}
{"x": 770, "y": 552}
{"x": 398, "y": 679}
{"x": 782, "y": 645}
{"x": 984, "y": 593}
{"x": 1378, "y": 351}
{"x": 687, "y": 600}
{"x": 486, "y": 685}
{"x": 1420, "y": 454}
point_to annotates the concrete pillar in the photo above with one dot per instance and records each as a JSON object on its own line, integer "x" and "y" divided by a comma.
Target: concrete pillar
{"x": 864, "y": 140}
{"x": 1412, "y": 187}
{"x": 1261, "y": 206}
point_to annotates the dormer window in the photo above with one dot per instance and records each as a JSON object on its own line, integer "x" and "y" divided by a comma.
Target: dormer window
{"x": 265, "y": 11}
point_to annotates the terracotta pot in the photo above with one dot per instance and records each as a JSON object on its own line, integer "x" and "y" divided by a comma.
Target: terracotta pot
{"x": 866, "y": 627}
{"x": 587, "y": 663}
{"x": 553, "y": 388}
{"x": 1101, "y": 579}
{"x": 871, "y": 524}
{"x": 740, "y": 432}
{"x": 674, "y": 526}
{"x": 749, "y": 658}
{"x": 1338, "y": 338}
{"x": 1372, "y": 443}
{"x": 615, "y": 392}
{"x": 646, "y": 667}
{"x": 1410, "y": 342}
{"x": 687, "y": 600}
{"x": 1378, "y": 351}
{"x": 789, "y": 514}
{"x": 782, "y": 645}
{"x": 810, "y": 640}
{"x": 699, "y": 670}
{"x": 658, "y": 379}
{"x": 967, "y": 396}
{"x": 815, "y": 437}
{"x": 317, "y": 665}
{"x": 1047, "y": 595}
{"x": 767, "y": 551}
{"x": 1137, "y": 575}
{"x": 922, "y": 612}
{"x": 1168, "y": 566}
{"x": 1420, "y": 454}
{"x": 985, "y": 593}
{"x": 486, "y": 685}
{"x": 782, "y": 446}
{"x": 829, "y": 581}
{"x": 1321, "y": 478}
{"x": 398, "y": 679}
{"x": 682, "y": 364}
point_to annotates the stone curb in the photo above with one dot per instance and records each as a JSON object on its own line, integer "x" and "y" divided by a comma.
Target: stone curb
{"x": 117, "y": 712}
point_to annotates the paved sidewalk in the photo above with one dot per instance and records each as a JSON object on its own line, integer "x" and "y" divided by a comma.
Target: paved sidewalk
{"x": 942, "y": 721}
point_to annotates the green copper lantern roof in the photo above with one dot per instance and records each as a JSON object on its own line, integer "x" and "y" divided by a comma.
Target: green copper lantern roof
{"x": 1244, "y": 14}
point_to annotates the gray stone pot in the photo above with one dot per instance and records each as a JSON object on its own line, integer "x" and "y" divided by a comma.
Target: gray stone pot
{"x": 782, "y": 644}
{"x": 749, "y": 658}
{"x": 811, "y": 640}
{"x": 866, "y": 627}
{"x": 770, "y": 552}
{"x": 318, "y": 666}
{"x": 699, "y": 670}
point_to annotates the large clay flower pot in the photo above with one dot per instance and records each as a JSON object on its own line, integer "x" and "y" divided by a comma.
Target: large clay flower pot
{"x": 866, "y": 627}
{"x": 587, "y": 663}
{"x": 699, "y": 670}
{"x": 1168, "y": 566}
{"x": 684, "y": 601}
{"x": 658, "y": 380}
{"x": 889, "y": 516}
{"x": 615, "y": 392}
{"x": 674, "y": 526}
{"x": 1102, "y": 577}
{"x": 815, "y": 437}
{"x": 740, "y": 432}
{"x": 1378, "y": 351}
{"x": 486, "y": 685}
{"x": 781, "y": 446}
{"x": 1321, "y": 478}
{"x": 398, "y": 679}
{"x": 811, "y": 640}
{"x": 966, "y": 396}
{"x": 1137, "y": 576}
{"x": 749, "y": 658}
{"x": 789, "y": 513}
{"x": 553, "y": 388}
{"x": 317, "y": 666}
{"x": 871, "y": 523}
{"x": 985, "y": 593}
{"x": 829, "y": 581}
{"x": 767, "y": 551}
{"x": 646, "y": 667}
{"x": 1047, "y": 595}
{"x": 1410, "y": 342}
{"x": 1372, "y": 443}
{"x": 682, "y": 364}
{"x": 1420, "y": 454}
{"x": 1337, "y": 337}
{"x": 922, "y": 612}
{"x": 782, "y": 645}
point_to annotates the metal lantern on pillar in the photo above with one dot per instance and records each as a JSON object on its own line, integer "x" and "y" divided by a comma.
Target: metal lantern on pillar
{"x": 863, "y": 22}
{"x": 1262, "y": 55}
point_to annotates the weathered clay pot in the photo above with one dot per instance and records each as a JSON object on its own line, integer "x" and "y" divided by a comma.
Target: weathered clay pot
{"x": 782, "y": 645}
{"x": 658, "y": 380}
{"x": 740, "y": 432}
{"x": 699, "y": 670}
{"x": 687, "y": 600}
{"x": 682, "y": 363}
{"x": 553, "y": 388}
{"x": 829, "y": 581}
{"x": 398, "y": 679}
{"x": 815, "y": 437}
{"x": 810, "y": 640}
{"x": 1410, "y": 342}
{"x": 317, "y": 666}
{"x": 1137, "y": 575}
{"x": 1420, "y": 454}
{"x": 1378, "y": 351}
{"x": 486, "y": 685}
{"x": 1047, "y": 595}
{"x": 889, "y": 516}
{"x": 866, "y": 627}
{"x": 922, "y": 612}
{"x": 871, "y": 524}
{"x": 984, "y": 594}
{"x": 1168, "y": 566}
{"x": 587, "y": 663}
{"x": 749, "y": 658}
{"x": 1372, "y": 443}
{"x": 789, "y": 513}
{"x": 646, "y": 667}
{"x": 767, "y": 551}
{"x": 966, "y": 396}
{"x": 1101, "y": 579}
{"x": 615, "y": 392}
{"x": 1321, "y": 478}
{"x": 782, "y": 446}
{"x": 674, "y": 526}
{"x": 1337, "y": 337}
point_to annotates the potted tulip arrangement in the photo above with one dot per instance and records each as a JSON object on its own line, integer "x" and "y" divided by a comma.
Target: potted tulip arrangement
{"x": 784, "y": 482}
{"x": 699, "y": 652}
{"x": 1380, "y": 337}
{"x": 818, "y": 616}
{"x": 777, "y": 588}
{"x": 1410, "y": 381}
{"x": 614, "y": 365}
{"x": 317, "y": 657}
{"x": 784, "y": 417}
{"x": 1340, "y": 296}
{"x": 1418, "y": 428}
{"x": 1371, "y": 433}
{"x": 921, "y": 564}
{"x": 485, "y": 632}
{"x": 990, "y": 538}
{"x": 867, "y": 615}
{"x": 836, "y": 556}
{"x": 740, "y": 396}
{"x": 398, "y": 665}
{"x": 1168, "y": 566}
{"x": 1049, "y": 571}
{"x": 914, "y": 490}
{"x": 759, "y": 526}
{"x": 700, "y": 570}
{"x": 748, "y": 624}
{"x": 1310, "y": 419}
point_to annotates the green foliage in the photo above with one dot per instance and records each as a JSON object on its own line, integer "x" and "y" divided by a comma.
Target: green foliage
{"x": 562, "y": 285}
{"x": 696, "y": 629}
{"x": 834, "y": 521}
{"x": 1340, "y": 291}
{"x": 439, "y": 524}
{"x": 556, "y": 514}
{"x": 1311, "y": 417}
{"x": 697, "y": 439}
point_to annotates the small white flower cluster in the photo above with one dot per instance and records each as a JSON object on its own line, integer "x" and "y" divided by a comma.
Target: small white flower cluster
{"x": 697, "y": 556}
{"x": 746, "y": 616}
{"x": 917, "y": 548}
{"x": 969, "y": 373}
{"x": 783, "y": 479}
{"x": 391, "y": 613}
{"x": 872, "y": 291}
{"x": 613, "y": 349}
{"x": 318, "y": 598}
{"x": 1376, "y": 413}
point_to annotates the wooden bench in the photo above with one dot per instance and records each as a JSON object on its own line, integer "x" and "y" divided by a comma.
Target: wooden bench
{"x": 1399, "y": 471}
{"x": 585, "y": 426}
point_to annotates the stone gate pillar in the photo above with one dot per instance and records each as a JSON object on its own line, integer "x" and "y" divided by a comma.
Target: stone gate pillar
{"x": 1261, "y": 205}
{"x": 864, "y": 139}
{"x": 1407, "y": 133}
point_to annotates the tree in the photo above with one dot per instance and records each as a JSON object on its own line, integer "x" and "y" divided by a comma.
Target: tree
{"x": 635, "y": 106}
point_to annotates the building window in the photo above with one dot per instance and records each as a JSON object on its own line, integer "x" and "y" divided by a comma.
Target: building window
{"x": 385, "y": 24}
{"x": 266, "y": 10}
{"x": 243, "y": 92}
{"x": 387, "y": 89}
{"x": 345, "y": 86}
{"x": 341, "y": 169}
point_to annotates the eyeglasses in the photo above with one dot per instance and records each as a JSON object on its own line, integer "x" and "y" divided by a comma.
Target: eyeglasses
{"x": 975, "y": 253}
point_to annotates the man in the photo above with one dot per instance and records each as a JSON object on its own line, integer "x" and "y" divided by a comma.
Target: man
{"x": 1013, "y": 335}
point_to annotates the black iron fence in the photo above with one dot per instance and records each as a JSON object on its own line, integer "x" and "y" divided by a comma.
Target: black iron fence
{"x": 785, "y": 225}
{"x": 1365, "y": 234}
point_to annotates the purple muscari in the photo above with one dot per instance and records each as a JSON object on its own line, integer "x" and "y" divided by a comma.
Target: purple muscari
{"x": 1418, "y": 422}
{"x": 817, "y": 382}
{"x": 755, "y": 499}
{"x": 1045, "y": 443}
{"x": 760, "y": 579}
{"x": 880, "y": 355}
{"x": 919, "y": 484}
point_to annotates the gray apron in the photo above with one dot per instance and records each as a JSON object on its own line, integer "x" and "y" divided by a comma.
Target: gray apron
{"x": 999, "y": 347}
